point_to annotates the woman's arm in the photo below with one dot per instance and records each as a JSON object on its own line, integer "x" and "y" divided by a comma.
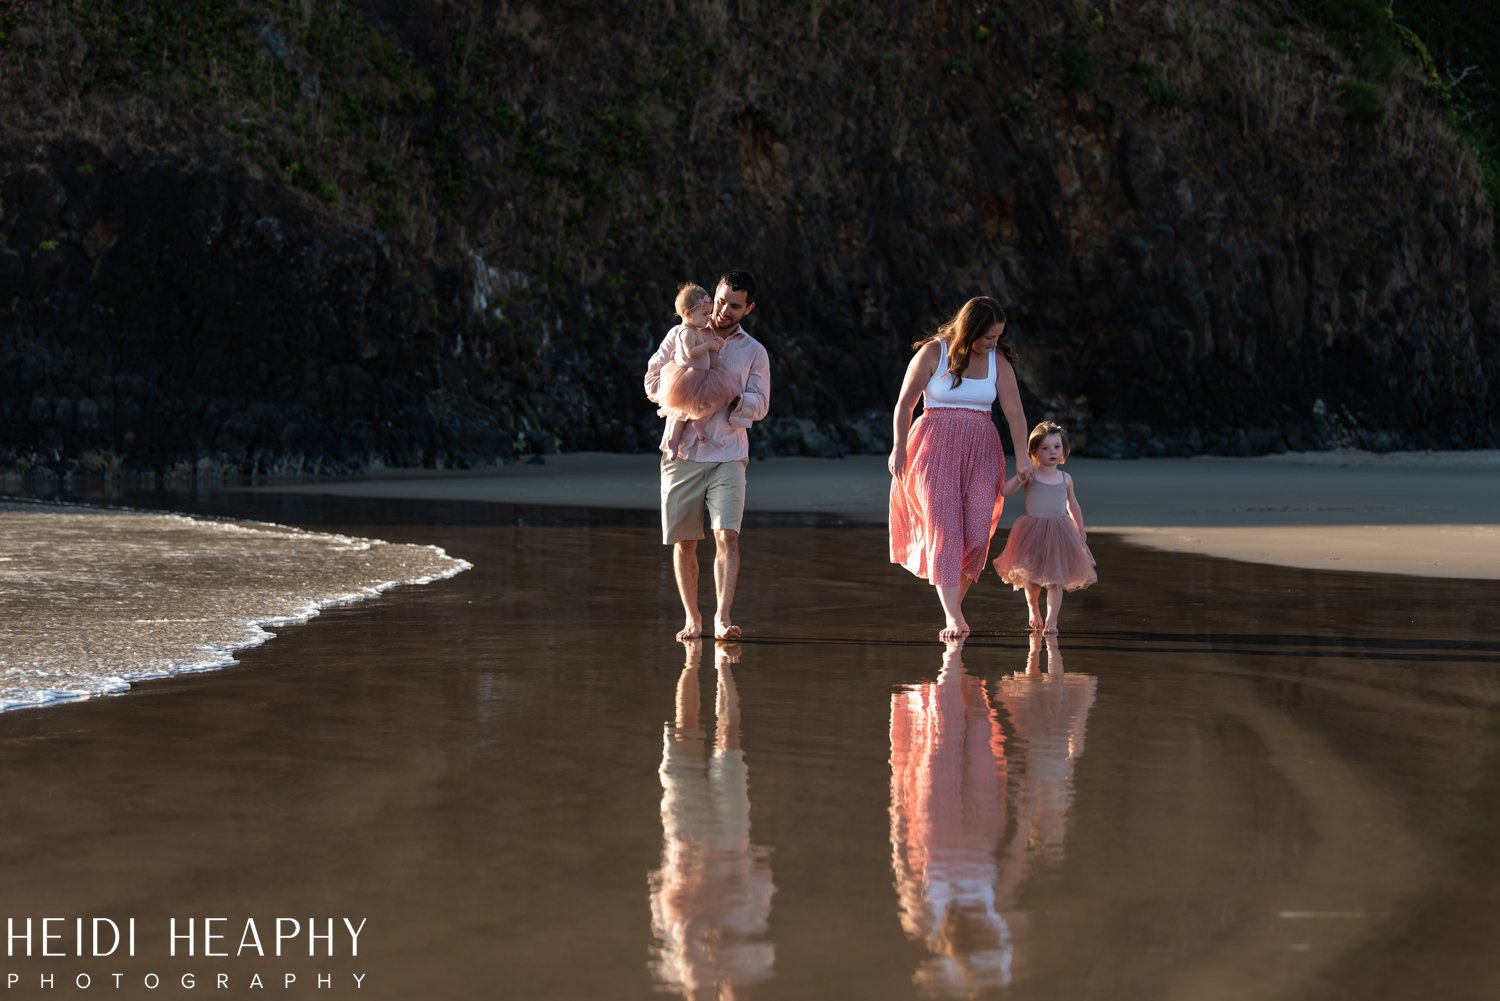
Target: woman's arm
{"x": 918, "y": 373}
{"x": 1074, "y": 509}
{"x": 1010, "y": 404}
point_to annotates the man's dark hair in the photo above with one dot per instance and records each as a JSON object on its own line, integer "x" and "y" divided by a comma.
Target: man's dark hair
{"x": 739, "y": 281}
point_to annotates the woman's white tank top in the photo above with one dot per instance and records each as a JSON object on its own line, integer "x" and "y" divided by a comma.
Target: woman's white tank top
{"x": 969, "y": 394}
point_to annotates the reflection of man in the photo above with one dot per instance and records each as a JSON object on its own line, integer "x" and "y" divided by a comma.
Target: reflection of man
{"x": 959, "y": 865}
{"x": 711, "y": 898}
{"x": 711, "y": 477}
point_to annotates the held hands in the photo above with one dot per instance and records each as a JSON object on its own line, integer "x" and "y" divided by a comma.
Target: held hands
{"x": 1026, "y": 475}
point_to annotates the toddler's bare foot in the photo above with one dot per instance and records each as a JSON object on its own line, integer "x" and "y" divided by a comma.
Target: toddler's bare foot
{"x": 1034, "y": 608}
{"x": 692, "y": 630}
{"x": 1051, "y": 628}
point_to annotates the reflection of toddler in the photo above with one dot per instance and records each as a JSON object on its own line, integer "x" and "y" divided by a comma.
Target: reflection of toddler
{"x": 694, "y": 383}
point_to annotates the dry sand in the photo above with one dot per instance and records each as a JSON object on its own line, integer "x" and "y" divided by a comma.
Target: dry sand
{"x": 1422, "y": 513}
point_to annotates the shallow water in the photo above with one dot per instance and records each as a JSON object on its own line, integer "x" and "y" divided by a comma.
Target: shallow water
{"x": 1223, "y": 781}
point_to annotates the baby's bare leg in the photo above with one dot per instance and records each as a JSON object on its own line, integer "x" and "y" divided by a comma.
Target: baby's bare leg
{"x": 675, "y": 428}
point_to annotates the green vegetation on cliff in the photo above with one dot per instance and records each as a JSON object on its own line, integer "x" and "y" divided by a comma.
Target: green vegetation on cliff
{"x": 445, "y": 231}
{"x": 1453, "y": 44}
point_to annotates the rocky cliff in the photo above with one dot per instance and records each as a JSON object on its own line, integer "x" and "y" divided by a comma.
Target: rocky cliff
{"x": 297, "y": 236}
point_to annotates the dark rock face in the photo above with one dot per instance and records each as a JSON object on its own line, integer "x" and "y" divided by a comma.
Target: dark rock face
{"x": 1198, "y": 250}
{"x": 200, "y": 317}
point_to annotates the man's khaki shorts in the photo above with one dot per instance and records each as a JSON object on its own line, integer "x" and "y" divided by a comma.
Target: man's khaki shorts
{"x": 689, "y": 488}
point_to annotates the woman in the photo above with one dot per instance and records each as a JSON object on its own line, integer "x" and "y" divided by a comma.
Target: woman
{"x": 947, "y": 468}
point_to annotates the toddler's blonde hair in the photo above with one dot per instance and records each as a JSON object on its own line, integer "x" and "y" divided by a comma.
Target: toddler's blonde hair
{"x": 689, "y": 294}
{"x": 1040, "y": 433}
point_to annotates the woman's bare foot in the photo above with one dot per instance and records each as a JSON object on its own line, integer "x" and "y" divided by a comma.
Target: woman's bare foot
{"x": 691, "y": 631}
{"x": 953, "y": 631}
{"x": 727, "y": 631}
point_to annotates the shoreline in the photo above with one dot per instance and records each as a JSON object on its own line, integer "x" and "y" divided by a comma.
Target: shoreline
{"x": 1429, "y": 514}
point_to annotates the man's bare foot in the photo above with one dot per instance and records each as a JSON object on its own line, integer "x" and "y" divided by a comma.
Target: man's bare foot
{"x": 727, "y": 631}
{"x": 691, "y": 631}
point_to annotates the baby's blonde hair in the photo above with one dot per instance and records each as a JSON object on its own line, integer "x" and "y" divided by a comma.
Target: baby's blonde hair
{"x": 1039, "y": 434}
{"x": 689, "y": 294}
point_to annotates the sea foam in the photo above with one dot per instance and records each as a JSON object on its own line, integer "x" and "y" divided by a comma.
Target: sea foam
{"x": 93, "y": 601}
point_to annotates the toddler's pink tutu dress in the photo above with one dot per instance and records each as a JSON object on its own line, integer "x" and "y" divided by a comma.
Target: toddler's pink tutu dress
{"x": 1044, "y": 546}
{"x": 694, "y": 388}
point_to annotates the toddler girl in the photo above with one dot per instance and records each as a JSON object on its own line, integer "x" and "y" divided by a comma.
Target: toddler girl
{"x": 1047, "y": 545}
{"x": 694, "y": 384}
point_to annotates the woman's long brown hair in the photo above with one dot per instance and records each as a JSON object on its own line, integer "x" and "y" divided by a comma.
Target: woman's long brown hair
{"x": 972, "y": 321}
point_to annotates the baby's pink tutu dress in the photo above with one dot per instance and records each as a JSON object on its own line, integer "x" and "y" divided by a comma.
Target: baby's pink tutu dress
{"x": 690, "y": 392}
{"x": 1044, "y": 547}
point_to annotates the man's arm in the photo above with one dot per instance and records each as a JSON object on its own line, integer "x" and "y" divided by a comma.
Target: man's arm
{"x": 654, "y": 366}
{"x": 755, "y": 400}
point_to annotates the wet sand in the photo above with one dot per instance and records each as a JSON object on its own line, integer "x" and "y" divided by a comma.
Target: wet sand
{"x": 1430, "y": 514}
{"x": 1227, "y": 780}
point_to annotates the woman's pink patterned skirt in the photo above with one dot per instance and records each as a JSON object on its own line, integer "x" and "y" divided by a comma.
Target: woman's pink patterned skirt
{"x": 945, "y": 508}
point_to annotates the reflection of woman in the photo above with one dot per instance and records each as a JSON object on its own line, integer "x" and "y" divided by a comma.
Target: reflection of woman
{"x": 947, "y": 816}
{"x": 711, "y": 898}
{"x": 947, "y": 468}
{"x": 959, "y": 866}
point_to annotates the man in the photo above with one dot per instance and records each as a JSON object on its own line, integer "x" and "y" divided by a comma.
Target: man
{"x": 710, "y": 478}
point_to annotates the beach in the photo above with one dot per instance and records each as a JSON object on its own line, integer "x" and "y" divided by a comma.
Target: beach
{"x": 1428, "y": 514}
{"x": 1225, "y": 778}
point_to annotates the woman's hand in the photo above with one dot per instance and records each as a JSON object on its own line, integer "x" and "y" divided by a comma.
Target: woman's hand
{"x": 897, "y": 462}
